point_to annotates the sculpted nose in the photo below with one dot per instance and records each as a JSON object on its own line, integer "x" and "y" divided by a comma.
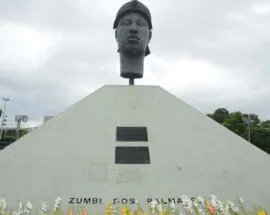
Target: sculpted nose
{"x": 133, "y": 28}
{"x": 133, "y": 31}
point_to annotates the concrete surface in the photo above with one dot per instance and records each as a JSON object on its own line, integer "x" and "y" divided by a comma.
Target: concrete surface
{"x": 72, "y": 155}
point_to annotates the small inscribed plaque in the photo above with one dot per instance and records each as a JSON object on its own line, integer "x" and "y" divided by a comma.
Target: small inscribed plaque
{"x": 131, "y": 134}
{"x": 98, "y": 171}
{"x": 132, "y": 155}
{"x": 127, "y": 175}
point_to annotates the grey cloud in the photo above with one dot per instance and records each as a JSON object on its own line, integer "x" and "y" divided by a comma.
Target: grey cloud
{"x": 85, "y": 57}
{"x": 207, "y": 22}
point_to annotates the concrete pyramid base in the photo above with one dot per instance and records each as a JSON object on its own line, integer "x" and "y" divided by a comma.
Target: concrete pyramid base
{"x": 73, "y": 155}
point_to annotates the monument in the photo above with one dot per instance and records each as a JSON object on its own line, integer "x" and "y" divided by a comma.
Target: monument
{"x": 123, "y": 144}
{"x": 133, "y": 33}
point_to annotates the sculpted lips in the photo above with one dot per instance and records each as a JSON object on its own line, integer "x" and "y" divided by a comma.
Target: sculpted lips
{"x": 133, "y": 39}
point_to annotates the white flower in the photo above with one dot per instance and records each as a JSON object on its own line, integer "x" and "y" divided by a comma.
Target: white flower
{"x": 57, "y": 203}
{"x": 190, "y": 210}
{"x": 159, "y": 207}
{"x": 214, "y": 203}
{"x": 218, "y": 202}
{"x": 195, "y": 203}
{"x": 201, "y": 211}
{"x": 28, "y": 208}
{"x": 113, "y": 211}
{"x": 231, "y": 204}
{"x": 227, "y": 207}
{"x": 3, "y": 205}
{"x": 20, "y": 205}
{"x": 136, "y": 201}
{"x": 56, "y": 206}
{"x": 200, "y": 199}
{"x": 187, "y": 203}
{"x": 44, "y": 208}
{"x": 184, "y": 197}
{"x": 153, "y": 204}
{"x": 220, "y": 206}
{"x": 58, "y": 200}
{"x": 235, "y": 209}
{"x": 213, "y": 197}
{"x": 20, "y": 208}
{"x": 241, "y": 200}
{"x": 172, "y": 205}
{"x": 29, "y": 205}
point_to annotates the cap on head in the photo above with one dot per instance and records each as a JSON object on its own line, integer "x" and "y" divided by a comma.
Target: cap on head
{"x": 133, "y": 6}
{"x": 137, "y": 7}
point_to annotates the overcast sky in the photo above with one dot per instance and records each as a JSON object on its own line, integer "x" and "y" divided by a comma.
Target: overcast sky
{"x": 208, "y": 53}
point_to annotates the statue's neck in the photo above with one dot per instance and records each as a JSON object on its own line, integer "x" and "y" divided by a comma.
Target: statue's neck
{"x": 131, "y": 67}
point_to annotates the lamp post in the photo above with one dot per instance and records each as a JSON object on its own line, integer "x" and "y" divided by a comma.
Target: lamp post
{"x": 247, "y": 120}
{"x": 4, "y": 116}
{"x": 19, "y": 119}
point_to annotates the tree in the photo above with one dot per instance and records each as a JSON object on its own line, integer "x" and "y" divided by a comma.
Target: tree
{"x": 210, "y": 115}
{"x": 254, "y": 119}
{"x": 1, "y": 112}
{"x": 260, "y": 137}
{"x": 219, "y": 115}
{"x": 260, "y": 131}
{"x": 235, "y": 123}
{"x": 265, "y": 124}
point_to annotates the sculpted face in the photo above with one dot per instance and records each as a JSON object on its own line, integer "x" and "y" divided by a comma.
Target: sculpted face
{"x": 133, "y": 35}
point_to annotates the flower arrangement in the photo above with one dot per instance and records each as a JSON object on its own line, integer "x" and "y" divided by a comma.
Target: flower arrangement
{"x": 198, "y": 206}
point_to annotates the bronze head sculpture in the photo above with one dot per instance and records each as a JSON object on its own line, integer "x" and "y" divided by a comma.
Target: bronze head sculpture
{"x": 133, "y": 33}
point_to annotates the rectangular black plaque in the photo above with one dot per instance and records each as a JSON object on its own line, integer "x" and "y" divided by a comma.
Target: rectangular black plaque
{"x": 132, "y": 155}
{"x": 131, "y": 134}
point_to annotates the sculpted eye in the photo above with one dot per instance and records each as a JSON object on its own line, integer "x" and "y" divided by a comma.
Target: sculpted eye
{"x": 125, "y": 22}
{"x": 141, "y": 22}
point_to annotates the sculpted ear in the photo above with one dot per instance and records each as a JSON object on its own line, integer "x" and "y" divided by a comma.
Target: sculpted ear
{"x": 115, "y": 34}
{"x": 150, "y": 36}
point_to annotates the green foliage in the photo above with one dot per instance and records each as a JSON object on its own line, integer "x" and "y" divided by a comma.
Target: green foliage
{"x": 219, "y": 115}
{"x": 265, "y": 124}
{"x": 210, "y": 115}
{"x": 261, "y": 138}
{"x": 23, "y": 132}
{"x": 260, "y": 131}
{"x": 8, "y": 139}
{"x": 255, "y": 121}
{"x": 235, "y": 123}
